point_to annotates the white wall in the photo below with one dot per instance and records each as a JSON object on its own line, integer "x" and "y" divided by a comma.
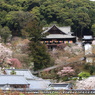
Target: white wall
{"x": 88, "y": 49}
{"x": 92, "y": 0}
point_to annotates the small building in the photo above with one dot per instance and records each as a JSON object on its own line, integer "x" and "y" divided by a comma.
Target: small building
{"x": 60, "y": 86}
{"x": 92, "y": 0}
{"x": 13, "y": 82}
{"x": 33, "y": 81}
{"x": 87, "y": 39}
{"x": 57, "y": 35}
{"x": 39, "y": 84}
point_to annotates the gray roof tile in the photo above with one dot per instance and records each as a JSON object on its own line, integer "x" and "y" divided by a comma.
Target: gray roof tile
{"x": 12, "y": 79}
{"x": 65, "y": 29}
{"x": 38, "y": 84}
{"x": 25, "y": 72}
{"x": 59, "y": 36}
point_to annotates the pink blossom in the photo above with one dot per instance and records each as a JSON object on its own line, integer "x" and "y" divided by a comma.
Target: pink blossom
{"x": 15, "y": 62}
{"x": 59, "y": 73}
{"x": 66, "y": 71}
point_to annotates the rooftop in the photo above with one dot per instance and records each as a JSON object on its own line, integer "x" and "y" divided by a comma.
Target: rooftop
{"x": 12, "y": 79}
{"x": 25, "y": 72}
{"x": 38, "y": 84}
{"x": 59, "y": 36}
{"x": 65, "y": 29}
{"x": 88, "y": 37}
{"x": 58, "y": 85}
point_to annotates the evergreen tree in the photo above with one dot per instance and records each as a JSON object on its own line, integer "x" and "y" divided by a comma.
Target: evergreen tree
{"x": 38, "y": 51}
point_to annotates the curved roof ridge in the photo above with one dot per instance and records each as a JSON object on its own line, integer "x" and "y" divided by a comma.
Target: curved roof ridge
{"x": 63, "y": 29}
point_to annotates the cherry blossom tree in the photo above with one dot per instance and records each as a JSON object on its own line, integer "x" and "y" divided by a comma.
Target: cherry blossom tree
{"x": 14, "y": 62}
{"x": 5, "y": 53}
{"x": 66, "y": 71}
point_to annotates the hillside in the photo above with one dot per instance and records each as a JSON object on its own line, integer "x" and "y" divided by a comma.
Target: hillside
{"x": 16, "y": 14}
{"x": 21, "y": 24}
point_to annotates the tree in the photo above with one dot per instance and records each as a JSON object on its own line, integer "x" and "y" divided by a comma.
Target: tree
{"x": 38, "y": 51}
{"x": 81, "y": 22}
{"x": 15, "y": 62}
{"x": 5, "y": 33}
{"x": 66, "y": 71}
{"x": 16, "y": 21}
{"x": 89, "y": 68}
{"x": 93, "y": 29}
{"x": 40, "y": 57}
{"x": 2, "y": 17}
{"x": 76, "y": 13}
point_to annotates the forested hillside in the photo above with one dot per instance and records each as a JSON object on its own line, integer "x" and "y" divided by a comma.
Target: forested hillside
{"x": 21, "y": 23}
{"x": 15, "y": 14}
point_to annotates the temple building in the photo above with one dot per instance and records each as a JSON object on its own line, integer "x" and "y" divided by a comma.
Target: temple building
{"x": 58, "y": 35}
{"x": 87, "y": 39}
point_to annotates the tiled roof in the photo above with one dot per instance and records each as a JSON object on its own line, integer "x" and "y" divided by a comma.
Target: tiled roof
{"x": 38, "y": 84}
{"x": 58, "y": 85}
{"x": 59, "y": 36}
{"x": 25, "y": 72}
{"x": 65, "y": 29}
{"x": 88, "y": 37}
{"x": 12, "y": 79}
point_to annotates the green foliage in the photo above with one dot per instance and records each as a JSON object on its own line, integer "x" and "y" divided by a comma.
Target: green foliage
{"x": 40, "y": 57}
{"x": 65, "y": 78}
{"x": 89, "y": 68}
{"x": 76, "y": 13}
{"x": 83, "y": 75}
{"x": 21, "y": 94}
{"x": 13, "y": 72}
{"x": 74, "y": 78}
{"x": 82, "y": 21}
{"x": 93, "y": 29}
{"x": 2, "y": 17}
{"x": 5, "y": 33}
{"x": 38, "y": 50}
{"x": 16, "y": 21}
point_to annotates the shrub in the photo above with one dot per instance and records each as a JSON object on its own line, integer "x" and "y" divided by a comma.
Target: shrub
{"x": 83, "y": 75}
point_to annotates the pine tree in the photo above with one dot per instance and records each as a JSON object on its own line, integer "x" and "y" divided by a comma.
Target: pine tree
{"x": 38, "y": 51}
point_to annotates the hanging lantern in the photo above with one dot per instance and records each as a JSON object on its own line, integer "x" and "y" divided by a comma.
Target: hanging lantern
{"x": 56, "y": 41}
{"x": 50, "y": 41}
{"x": 65, "y": 42}
{"x": 45, "y": 41}
{"x": 70, "y": 42}
{"x": 60, "y": 41}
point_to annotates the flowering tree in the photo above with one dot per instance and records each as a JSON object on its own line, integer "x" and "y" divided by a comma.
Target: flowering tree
{"x": 15, "y": 62}
{"x": 66, "y": 71}
{"x": 4, "y": 53}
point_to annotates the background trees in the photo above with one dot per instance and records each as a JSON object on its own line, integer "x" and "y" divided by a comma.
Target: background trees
{"x": 93, "y": 29}
{"x": 16, "y": 21}
{"x": 82, "y": 23}
{"x": 78, "y": 14}
{"x": 5, "y": 33}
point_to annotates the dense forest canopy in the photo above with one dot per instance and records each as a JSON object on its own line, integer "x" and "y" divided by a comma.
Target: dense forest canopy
{"x": 79, "y": 14}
